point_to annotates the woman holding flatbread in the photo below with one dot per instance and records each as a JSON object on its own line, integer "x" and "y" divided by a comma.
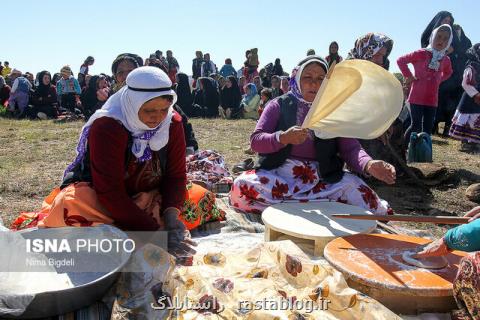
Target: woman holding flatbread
{"x": 466, "y": 287}
{"x": 296, "y": 165}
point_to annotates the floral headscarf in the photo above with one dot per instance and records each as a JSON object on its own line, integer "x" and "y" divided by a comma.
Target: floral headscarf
{"x": 368, "y": 45}
{"x": 473, "y": 54}
{"x": 295, "y": 90}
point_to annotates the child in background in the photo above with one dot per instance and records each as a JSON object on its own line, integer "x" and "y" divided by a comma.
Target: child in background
{"x": 242, "y": 81}
{"x": 251, "y": 65}
{"x": 250, "y": 102}
{"x": 6, "y": 70}
{"x": 265, "y": 97}
{"x": 228, "y": 69}
{"x": 466, "y": 121}
{"x": 432, "y": 66}
{"x": 68, "y": 89}
{"x": 84, "y": 70}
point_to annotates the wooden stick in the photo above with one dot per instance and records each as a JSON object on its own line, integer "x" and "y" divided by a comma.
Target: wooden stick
{"x": 387, "y": 228}
{"x": 399, "y": 217}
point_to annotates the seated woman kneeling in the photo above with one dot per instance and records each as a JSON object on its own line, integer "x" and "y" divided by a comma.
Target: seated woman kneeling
{"x": 296, "y": 165}
{"x": 130, "y": 164}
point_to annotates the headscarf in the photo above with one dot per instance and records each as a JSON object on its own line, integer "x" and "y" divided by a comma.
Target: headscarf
{"x": 231, "y": 97}
{"x": 295, "y": 88}
{"x": 143, "y": 84}
{"x": 89, "y": 97}
{"x": 464, "y": 42}
{"x": 185, "y": 98}
{"x": 209, "y": 94}
{"x": 282, "y": 86}
{"x": 368, "y": 45}
{"x": 253, "y": 92}
{"x": 135, "y": 59}
{"x": 277, "y": 68}
{"x": 473, "y": 56}
{"x": 55, "y": 78}
{"x": 437, "y": 55}
{"x": 435, "y": 23}
{"x": 332, "y": 56}
{"x": 42, "y": 89}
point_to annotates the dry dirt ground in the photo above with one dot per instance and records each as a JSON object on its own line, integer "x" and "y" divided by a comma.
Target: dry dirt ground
{"x": 33, "y": 155}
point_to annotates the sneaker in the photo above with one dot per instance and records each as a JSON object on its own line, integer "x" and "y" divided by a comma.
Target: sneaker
{"x": 246, "y": 165}
{"x": 465, "y": 147}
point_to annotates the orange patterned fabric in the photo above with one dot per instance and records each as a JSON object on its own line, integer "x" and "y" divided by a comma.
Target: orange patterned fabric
{"x": 200, "y": 207}
{"x": 77, "y": 205}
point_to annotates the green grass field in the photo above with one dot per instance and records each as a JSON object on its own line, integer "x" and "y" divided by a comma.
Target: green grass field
{"x": 34, "y": 154}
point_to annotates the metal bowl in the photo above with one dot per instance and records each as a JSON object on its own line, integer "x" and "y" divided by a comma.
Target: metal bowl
{"x": 89, "y": 287}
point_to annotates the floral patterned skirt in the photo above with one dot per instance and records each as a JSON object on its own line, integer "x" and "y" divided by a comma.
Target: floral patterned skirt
{"x": 297, "y": 180}
{"x": 466, "y": 127}
{"x": 466, "y": 288}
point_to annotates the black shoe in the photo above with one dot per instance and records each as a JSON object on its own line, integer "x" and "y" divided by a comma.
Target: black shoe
{"x": 246, "y": 165}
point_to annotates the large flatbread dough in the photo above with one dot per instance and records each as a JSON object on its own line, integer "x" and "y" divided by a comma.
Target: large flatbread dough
{"x": 427, "y": 263}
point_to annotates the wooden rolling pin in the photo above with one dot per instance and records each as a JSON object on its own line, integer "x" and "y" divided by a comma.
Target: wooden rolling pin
{"x": 400, "y": 217}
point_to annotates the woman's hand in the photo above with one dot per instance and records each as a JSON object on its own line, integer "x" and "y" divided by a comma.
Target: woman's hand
{"x": 294, "y": 135}
{"x": 381, "y": 170}
{"x": 476, "y": 98}
{"x": 179, "y": 239}
{"x": 433, "y": 249}
{"x": 473, "y": 214}
{"x": 409, "y": 80}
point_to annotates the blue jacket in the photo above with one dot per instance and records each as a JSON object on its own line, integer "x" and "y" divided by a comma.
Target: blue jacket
{"x": 465, "y": 237}
{"x": 228, "y": 70}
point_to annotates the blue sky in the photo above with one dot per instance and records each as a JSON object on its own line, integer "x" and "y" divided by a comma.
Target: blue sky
{"x": 46, "y": 35}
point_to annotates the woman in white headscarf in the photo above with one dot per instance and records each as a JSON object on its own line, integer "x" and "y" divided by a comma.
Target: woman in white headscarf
{"x": 130, "y": 165}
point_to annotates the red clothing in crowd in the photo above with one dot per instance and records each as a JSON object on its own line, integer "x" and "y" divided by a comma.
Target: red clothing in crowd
{"x": 108, "y": 141}
{"x": 4, "y": 94}
{"x": 424, "y": 91}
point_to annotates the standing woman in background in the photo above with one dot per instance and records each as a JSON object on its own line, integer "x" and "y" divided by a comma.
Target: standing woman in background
{"x": 333, "y": 54}
{"x": 185, "y": 97}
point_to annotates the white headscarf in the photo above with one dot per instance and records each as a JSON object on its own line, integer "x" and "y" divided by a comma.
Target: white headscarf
{"x": 438, "y": 55}
{"x": 143, "y": 84}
